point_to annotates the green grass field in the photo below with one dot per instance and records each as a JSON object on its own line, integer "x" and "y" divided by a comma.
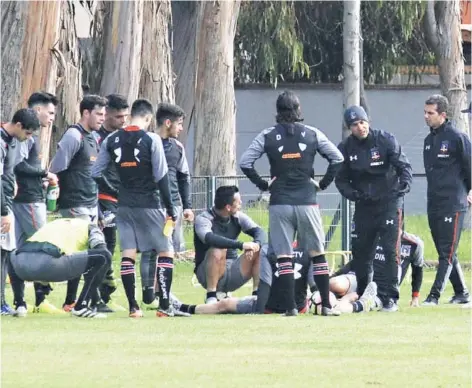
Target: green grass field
{"x": 417, "y": 347}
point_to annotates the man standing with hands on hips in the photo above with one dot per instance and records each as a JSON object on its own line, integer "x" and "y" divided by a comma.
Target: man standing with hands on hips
{"x": 375, "y": 175}
{"x": 447, "y": 164}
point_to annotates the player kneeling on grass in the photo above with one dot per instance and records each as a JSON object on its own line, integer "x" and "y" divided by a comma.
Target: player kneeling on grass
{"x": 270, "y": 297}
{"x": 61, "y": 250}
{"x": 344, "y": 282}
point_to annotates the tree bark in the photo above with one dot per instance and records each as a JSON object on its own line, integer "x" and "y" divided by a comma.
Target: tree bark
{"x": 215, "y": 110}
{"x": 184, "y": 29}
{"x": 69, "y": 73}
{"x": 351, "y": 54}
{"x": 156, "y": 83}
{"x": 123, "y": 41}
{"x": 443, "y": 31}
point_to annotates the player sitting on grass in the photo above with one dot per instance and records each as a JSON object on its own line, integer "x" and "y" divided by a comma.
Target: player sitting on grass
{"x": 343, "y": 281}
{"x": 61, "y": 250}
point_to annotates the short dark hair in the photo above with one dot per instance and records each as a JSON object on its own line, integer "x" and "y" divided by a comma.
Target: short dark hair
{"x": 141, "y": 107}
{"x": 27, "y": 118}
{"x": 168, "y": 111}
{"x": 288, "y": 108}
{"x": 42, "y": 98}
{"x": 225, "y": 196}
{"x": 91, "y": 101}
{"x": 440, "y": 101}
{"x": 117, "y": 102}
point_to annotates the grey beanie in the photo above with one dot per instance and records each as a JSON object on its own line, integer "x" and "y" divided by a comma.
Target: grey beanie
{"x": 355, "y": 113}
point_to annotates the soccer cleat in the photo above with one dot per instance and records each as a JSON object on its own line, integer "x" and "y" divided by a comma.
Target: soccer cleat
{"x": 391, "y": 307}
{"x": 6, "y": 310}
{"x": 87, "y": 312}
{"x": 103, "y": 308}
{"x": 211, "y": 300}
{"x": 368, "y": 297}
{"x": 175, "y": 302}
{"x": 136, "y": 313}
{"x": 45, "y": 307}
{"x": 330, "y": 312}
{"x": 21, "y": 311}
{"x": 68, "y": 307}
{"x": 377, "y": 304}
{"x": 430, "y": 301}
{"x": 290, "y": 313}
{"x": 460, "y": 299}
{"x": 161, "y": 313}
{"x": 153, "y": 306}
{"x": 223, "y": 295}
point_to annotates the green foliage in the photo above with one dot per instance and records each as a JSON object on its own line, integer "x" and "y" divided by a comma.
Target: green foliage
{"x": 302, "y": 41}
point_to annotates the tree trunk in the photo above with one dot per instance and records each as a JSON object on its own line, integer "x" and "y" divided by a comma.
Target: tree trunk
{"x": 184, "y": 29}
{"x": 31, "y": 29}
{"x": 69, "y": 73}
{"x": 123, "y": 41}
{"x": 156, "y": 82}
{"x": 351, "y": 54}
{"x": 442, "y": 26}
{"x": 215, "y": 110}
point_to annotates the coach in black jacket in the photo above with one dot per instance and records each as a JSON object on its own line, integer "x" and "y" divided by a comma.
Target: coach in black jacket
{"x": 375, "y": 175}
{"x": 447, "y": 163}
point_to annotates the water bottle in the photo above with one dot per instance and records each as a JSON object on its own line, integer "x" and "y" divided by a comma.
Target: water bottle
{"x": 168, "y": 227}
{"x": 51, "y": 197}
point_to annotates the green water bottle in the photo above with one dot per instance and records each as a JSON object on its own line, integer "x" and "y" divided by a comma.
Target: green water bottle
{"x": 51, "y": 197}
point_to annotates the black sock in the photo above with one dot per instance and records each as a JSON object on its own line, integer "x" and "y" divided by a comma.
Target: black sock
{"x": 254, "y": 293}
{"x": 358, "y": 307}
{"x": 148, "y": 295}
{"x": 188, "y": 308}
{"x": 18, "y": 287}
{"x": 128, "y": 277}
{"x": 165, "y": 267}
{"x": 286, "y": 282}
{"x": 211, "y": 294}
{"x": 40, "y": 292}
{"x": 321, "y": 276}
{"x": 71, "y": 293}
{"x": 3, "y": 276}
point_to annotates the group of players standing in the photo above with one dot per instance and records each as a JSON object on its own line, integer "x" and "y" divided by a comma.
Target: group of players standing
{"x": 112, "y": 173}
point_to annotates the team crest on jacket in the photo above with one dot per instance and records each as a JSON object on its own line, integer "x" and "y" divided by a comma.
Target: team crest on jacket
{"x": 405, "y": 250}
{"x": 375, "y": 156}
{"x": 444, "y": 149}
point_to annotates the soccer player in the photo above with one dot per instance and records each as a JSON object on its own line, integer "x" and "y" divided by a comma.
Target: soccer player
{"x": 61, "y": 250}
{"x": 117, "y": 112}
{"x": 169, "y": 120}
{"x": 142, "y": 169}
{"x": 344, "y": 282}
{"x": 76, "y": 153}
{"x": 29, "y": 204}
{"x": 217, "y": 265}
{"x": 21, "y": 128}
{"x": 447, "y": 163}
{"x": 291, "y": 148}
{"x": 375, "y": 175}
{"x": 270, "y": 299}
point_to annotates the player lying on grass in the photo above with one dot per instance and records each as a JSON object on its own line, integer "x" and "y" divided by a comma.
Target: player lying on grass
{"x": 344, "y": 282}
{"x": 269, "y": 298}
{"x": 61, "y": 250}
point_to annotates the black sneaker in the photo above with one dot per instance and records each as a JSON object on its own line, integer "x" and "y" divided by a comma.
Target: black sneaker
{"x": 460, "y": 299}
{"x": 390, "y": 307}
{"x": 430, "y": 301}
{"x": 290, "y": 313}
{"x": 103, "y": 308}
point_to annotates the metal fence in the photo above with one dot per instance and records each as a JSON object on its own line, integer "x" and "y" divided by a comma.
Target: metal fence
{"x": 336, "y": 210}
